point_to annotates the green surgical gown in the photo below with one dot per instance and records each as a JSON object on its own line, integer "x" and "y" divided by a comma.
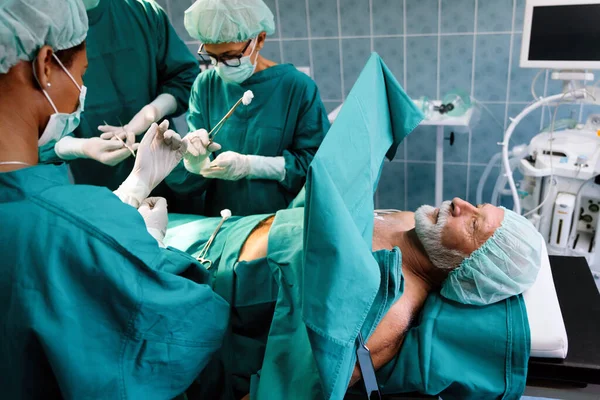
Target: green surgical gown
{"x": 286, "y": 118}
{"x": 91, "y": 307}
{"x": 134, "y": 55}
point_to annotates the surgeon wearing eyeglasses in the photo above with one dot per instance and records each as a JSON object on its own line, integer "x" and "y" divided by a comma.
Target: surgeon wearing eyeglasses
{"x": 259, "y": 159}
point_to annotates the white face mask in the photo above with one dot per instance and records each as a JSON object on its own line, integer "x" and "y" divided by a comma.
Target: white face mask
{"x": 61, "y": 124}
{"x": 241, "y": 73}
{"x": 430, "y": 236}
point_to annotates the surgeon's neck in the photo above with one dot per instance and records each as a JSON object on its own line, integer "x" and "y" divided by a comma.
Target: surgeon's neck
{"x": 262, "y": 63}
{"x": 18, "y": 122}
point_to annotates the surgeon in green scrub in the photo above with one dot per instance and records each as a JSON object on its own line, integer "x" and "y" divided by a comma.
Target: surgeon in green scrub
{"x": 91, "y": 305}
{"x": 139, "y": 72}
{"x": 262, "y": 153}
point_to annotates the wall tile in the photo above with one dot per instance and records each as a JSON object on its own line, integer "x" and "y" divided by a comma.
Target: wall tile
{"x": 163, "y": 4}
{"x": 271, "y": 51}
{"x": 355, "y": 17}
{"x": 421, "y": 178}
{"x": 491, "y": 67}
{"x": 326, "y": 59}
{"x": 331, "y": 105}
{"x": 519, "y": 15}
{"x": 390, "y": 192}
{"x": 293, "y": 18}
{"x": 494, "y": 15}
{"x": 487, "y": 133}
{"x": 488, "y": 188}
{"x": 355, "y": 52}
{"x": 323, "y": 18}
{"x": 456, "y": 63}
{"x": 521, "y": 78}
{"x": 296, "y": 52}
{"x": 391, "y": 51}
{"x": 421, "y": 66}
{"x": 458, "y": 16}
{"x": 459, "y": 151}
{"x": 272, "y": 6}
{"x": 455, "y": 182}
{"x": 177, "y": 8}
{"x": 388, "y": 17}
{"x": 421, "y": 143}
{"x": 421, "y": 16}
{"x": 400, "y": 151}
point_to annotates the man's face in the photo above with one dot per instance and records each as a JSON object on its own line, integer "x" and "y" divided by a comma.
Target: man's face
{"x": 453, "y": 231}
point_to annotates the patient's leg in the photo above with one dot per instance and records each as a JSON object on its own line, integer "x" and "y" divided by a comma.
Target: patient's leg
{"x": 255, "y": 246}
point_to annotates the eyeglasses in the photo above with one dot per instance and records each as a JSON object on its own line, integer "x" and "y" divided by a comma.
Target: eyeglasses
{"x": 230, "y": 61}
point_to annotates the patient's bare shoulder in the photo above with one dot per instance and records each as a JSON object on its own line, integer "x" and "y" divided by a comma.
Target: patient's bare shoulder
{"x": 384, "y": 230}
{"x": 404, "y": 219}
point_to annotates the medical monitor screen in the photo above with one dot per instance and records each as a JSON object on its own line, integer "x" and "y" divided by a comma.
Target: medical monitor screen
{"x": 565, "y": 33}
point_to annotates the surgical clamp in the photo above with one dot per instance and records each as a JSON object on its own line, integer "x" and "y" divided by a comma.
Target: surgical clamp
{"x": 225, "y": 214}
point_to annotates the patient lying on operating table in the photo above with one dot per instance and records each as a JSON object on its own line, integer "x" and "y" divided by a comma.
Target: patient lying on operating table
{"x": 462, "y": 249}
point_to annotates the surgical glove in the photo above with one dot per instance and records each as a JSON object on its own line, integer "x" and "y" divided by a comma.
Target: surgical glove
{"x": 159, "y": 152}
{"x": 163, "y": 105}
{"x": 234, "y": 166}
{"x": 199, "y": 148}
{"x": 107, "y": 152}
{"x": 154, "y": 212}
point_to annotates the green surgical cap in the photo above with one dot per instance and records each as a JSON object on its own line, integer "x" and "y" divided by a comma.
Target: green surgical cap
{"x": 506, "y": 265}
{"x": 27, "y": 25}
{"x": 223, "y": 21}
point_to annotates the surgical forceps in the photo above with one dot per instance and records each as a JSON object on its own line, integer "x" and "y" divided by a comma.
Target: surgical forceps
{"x": 225, "y": 214}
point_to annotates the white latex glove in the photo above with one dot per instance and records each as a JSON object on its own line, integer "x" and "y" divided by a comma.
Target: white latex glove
{"x": 107, "y": 152}
{"x": 198, "y": 150}
{"x": 163, "y": 105}
{"x": 233, "y": 166}
{"x": 159, "y": 152}
{"x": 154, "y": 212}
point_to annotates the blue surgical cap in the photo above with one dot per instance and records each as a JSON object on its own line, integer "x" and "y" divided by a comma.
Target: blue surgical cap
{"x": 223, "y": 21}
{"x": 27, "y": 25}
{"x": 505, "y": 265}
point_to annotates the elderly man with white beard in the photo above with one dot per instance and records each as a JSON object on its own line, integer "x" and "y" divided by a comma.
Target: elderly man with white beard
{"x": 475, "y": 255}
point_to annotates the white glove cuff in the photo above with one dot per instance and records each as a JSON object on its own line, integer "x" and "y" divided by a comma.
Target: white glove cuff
{"x": 133, "y": 191}
{"x": 262, "y": 167}
{"x": 195, "y": 168}
{"x": 158, "y": 235}
{"x": 70, "y": 148}
{"x": 165, "y": 105}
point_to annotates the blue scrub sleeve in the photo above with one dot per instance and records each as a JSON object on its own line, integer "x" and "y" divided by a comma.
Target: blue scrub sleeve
{"x": 311, "y": 128}
{"x": 177, "y": 66}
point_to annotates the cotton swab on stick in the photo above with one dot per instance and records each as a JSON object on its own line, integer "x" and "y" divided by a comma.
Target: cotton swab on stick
{"x": 246, "y": 100}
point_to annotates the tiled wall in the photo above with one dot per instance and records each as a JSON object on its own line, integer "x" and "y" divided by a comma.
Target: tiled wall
{"x": 432, "y": 46}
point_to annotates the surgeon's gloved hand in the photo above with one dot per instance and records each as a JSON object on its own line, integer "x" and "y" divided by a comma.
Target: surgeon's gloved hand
{"x": 107, "y": 152}
{"x": 159, "y": 152}
{"x": 163, "y": 105}
{"x": 199, "y": 148}
{"x": 154, "y": 212}
{"x": 233, "y": 166}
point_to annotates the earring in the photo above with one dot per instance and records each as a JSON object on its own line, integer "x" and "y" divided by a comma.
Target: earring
{"x": 48, "y": 84}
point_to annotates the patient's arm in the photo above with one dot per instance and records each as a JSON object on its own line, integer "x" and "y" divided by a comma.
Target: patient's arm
{"x": 386, "y": 340}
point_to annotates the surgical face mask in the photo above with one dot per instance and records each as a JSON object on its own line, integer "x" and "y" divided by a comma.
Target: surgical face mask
{"x": 238, "y": 74}
{"x": 430, "y": 236}
{"x": 89, "y": 4}
{"x": 61, "y": 124}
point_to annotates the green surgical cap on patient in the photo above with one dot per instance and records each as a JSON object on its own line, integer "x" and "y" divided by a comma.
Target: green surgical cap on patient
{"x": 27, "y": 25}
{"x": 505, "y": 265}
{"x": 223, "y": 21}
